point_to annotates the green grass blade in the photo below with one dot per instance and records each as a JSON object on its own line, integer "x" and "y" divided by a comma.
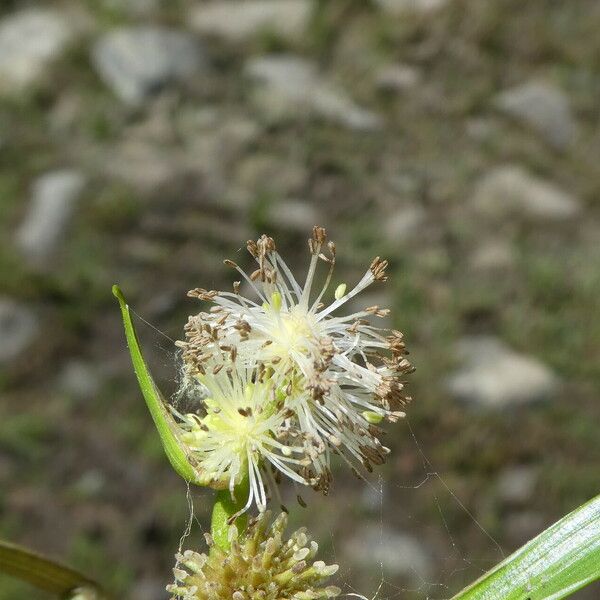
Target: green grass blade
{"x": 46, "y": 574}
{"x": 562, "y": 559}
{"x": 175, "y": 450}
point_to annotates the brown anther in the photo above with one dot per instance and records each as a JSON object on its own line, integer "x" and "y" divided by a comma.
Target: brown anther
{"x": 230, "y": 263}
{"x": 377, "y": 268}
{"x": 252, "y": 248}
{"x": 319, "y": 235}
{"x": 203, "y": 294}
{"x": 301, "y": 501}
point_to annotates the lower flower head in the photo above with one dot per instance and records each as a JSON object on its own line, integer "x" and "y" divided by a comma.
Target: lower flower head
{"x": 260, "y": 565}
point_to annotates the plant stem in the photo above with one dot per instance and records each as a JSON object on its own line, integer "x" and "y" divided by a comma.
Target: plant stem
{"x": 225, "y": 507}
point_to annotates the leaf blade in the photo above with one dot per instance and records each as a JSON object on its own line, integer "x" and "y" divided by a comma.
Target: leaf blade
{"x": 45, "y": 574}
{"x": 562, "y": 559}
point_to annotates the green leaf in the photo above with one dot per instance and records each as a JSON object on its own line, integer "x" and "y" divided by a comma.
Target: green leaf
{"x": 562, "y": 559}
{"x": 175, "y": 449}
{"x": 47, "y": 575}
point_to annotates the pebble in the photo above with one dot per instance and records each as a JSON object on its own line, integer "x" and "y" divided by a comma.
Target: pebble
{"x": 543, "y": 107}
{"x": 29, "y": 41}
{"x": 493, "y": 376}
{"x": 510, "y": 191}
{"x": 240, "y": 21}
{"x": 19, "y": 327}
{"x": 53, "y": 201}
{"x": 290, "y": 87}
{"x": 137, "y": 62}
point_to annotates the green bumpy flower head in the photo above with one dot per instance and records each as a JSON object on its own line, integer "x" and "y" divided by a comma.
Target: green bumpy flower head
{"x": 260, "y": 565}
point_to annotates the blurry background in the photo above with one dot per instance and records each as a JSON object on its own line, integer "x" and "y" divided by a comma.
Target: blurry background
{"x": 141, "y": 142}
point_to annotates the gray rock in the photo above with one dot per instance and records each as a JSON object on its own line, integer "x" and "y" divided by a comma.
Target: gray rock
{"x": 293, "y": 215}
{"x": 79, "y": 380}
{"x": 240, "y": 21}
{"x": 290, "y": 86}
{"x": 493, "y": 255}
{"x": 404, "y": 225}
{"x": 544, "y": 108}
{"x": 516, "y": 485}
{"x": 510, "y": 191}
{"x": 53, "y": 202}
{"x": 29, "y": 41}
{"x": 396, "y": 553}
{"x": 495, "y": 377}
{"x": 136, "y": 62}
{"x": 18, "y": 328}
{"x": 398, "y": 78}
{"x": 419, "y": 7}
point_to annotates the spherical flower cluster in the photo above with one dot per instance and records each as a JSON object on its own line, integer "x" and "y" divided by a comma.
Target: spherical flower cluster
{"x": 291, "y": 381}
{"x": 241, "y": 429}
{"x": 259, "y": 565}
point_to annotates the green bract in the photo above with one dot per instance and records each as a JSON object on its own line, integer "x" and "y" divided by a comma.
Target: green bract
{"x": 168, "y": 430}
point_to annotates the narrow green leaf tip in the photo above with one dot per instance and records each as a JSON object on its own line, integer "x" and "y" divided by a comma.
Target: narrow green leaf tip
{"x": 163, "y": 419}
{"x": 46, "y": 574}
{"x": 562, "y": 559}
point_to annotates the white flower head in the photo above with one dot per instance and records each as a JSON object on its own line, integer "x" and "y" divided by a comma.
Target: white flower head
{"x": 239, "y": 429}
{"x": 340, "y": 374}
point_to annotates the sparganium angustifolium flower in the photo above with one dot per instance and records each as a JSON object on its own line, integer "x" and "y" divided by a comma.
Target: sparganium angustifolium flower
{"x": 259, "y": 565}
{"x": 241, "y": 429}
{"x": 332, "y": 377}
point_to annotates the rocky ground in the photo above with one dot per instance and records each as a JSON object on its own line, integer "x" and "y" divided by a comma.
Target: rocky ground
{"x": 143, "y": 141}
